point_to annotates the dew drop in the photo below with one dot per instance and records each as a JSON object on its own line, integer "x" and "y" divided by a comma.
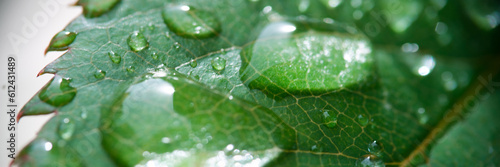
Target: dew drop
{"x": 137, "y": 42}
{"x": 218, "y": 64}
{"x": 114, "y": 58}
{"x": 84, "y": 114}
{"x": 154, "y": 55}
{"x": 193, "y": 63}
{"x": 66, "y": 128}
{"x": 423, "y": 118}
{"x": 177, "y": 45}
{"x": 130, "y": 69}
{"x": 99, "y": 74}
{"x": 370, "y": 161}
{"x": 375, "y": 148}
{"x": 362, "y": 120}
{"x": 330, "y": 118}
{"x": 61, "y": 41}
{"x": 187, "y": 21}
{"x": 151, "y": 26}
{"x": 58, "y": 92}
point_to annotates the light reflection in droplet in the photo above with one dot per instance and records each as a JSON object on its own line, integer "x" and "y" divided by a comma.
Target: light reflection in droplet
{"x": 48, "y": 146}
{"x": 427, "y": 65}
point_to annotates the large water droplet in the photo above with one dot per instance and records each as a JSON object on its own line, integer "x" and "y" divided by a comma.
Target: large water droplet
{"x": 95, "y": 8}
{"x": 370, "y": 161}
{"x": 218, "y": 64}
{"x": 137, "y": 42}
{"x": 61, "y": 41}
{"x": 114, "y": 58}
{"x": 362, "y": 119}
{"x": 58, "y": 92}
{"x": 330, "y": 118}
{"x": 99, "y": 74}
{"x": 306, "y": 58}
{"x": 66, "y": 128}
{"x": 186, "y": 21}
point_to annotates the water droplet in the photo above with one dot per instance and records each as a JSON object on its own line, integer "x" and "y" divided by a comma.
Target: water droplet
{"x": 187, "y": 21}
{"x": 193, "y": 63}
{"x": 409, "y": 47}
{"x": 375, "y": 148}
{"x": 218, "y": 64}
{"x": 114, "y": 58}
{"x": 154, "y": 56}
{"x": 166, "y": 140}
{"x": 441, "y": 28}
{"x": 61, "y": 41}
{"x": 177, "y": 45}
{"x": 58, "y": 92}
{"x": 449, "y": 81}
{"x": 427, "y": 64}
{"x": 137, "y": 42}
{"x": 99, "y": 74}
{"x": 151, "y": 26}
{"x": 362, "y": 120}
{"x": 408, "y": 12}
{"x": 332, "y": 3}
{"x": 357, "y": 14}
{"x": 330, "y": 118}
{"x": 47, "y": 146}
{"x": 130, "y": 69}
{"x": 303, "y": 5}
{"x": 314, "y": 62}
{"x": 93, "y": 8}
{"x": 66, "y": 128}
{"x": 370, "y": 161}
{"x": 84, "y": 114}
{"x": 423, "y": 118}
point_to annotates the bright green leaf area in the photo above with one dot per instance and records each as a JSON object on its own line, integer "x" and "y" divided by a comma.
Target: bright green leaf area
{"x": 215, "y": 88}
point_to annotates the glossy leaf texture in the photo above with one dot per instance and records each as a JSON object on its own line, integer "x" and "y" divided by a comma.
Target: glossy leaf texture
{"x": 268, "y": 83}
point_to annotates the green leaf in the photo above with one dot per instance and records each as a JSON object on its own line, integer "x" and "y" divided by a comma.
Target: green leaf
{"x": 264, "y": 83}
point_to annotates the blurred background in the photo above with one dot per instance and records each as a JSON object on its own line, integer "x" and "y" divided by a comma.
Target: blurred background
{"x": 27, "y": 27}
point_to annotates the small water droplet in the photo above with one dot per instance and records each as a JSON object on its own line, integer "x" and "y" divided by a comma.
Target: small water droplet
{"x": 151, "y": 26}
{"x": 47, "y": 146}
{"x": 375, "y": 148}
{"x": 166, "y": 140}
{"x": 370, "y": 161}
{"x": 154, "y": 56}
{"x": 426, "y": 66}
{"x": 66, "y": 128}
{"x": 130, "y": 69}
{"x": 58, "y": 92}
{"x": 137, "y": 42}
{"x": 177, "y": 45}
{"x": 330, "y": 118}
{"x": 114, "y": 58}
{"x": 409, "y": 47}
{"x": 99, "y": 74}
{"x": 61, "y": 41}
{"x": 423, "y": 118}
{"x": 193, "y": 63}
{"x": 218, "y": 64}
{"x": 187, "y": 21}
{"x": 84, "y": 114}
{"x": 362, "y": 120}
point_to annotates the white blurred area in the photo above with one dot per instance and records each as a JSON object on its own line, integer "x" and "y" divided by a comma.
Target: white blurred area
{"x": 47, "y": 17}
